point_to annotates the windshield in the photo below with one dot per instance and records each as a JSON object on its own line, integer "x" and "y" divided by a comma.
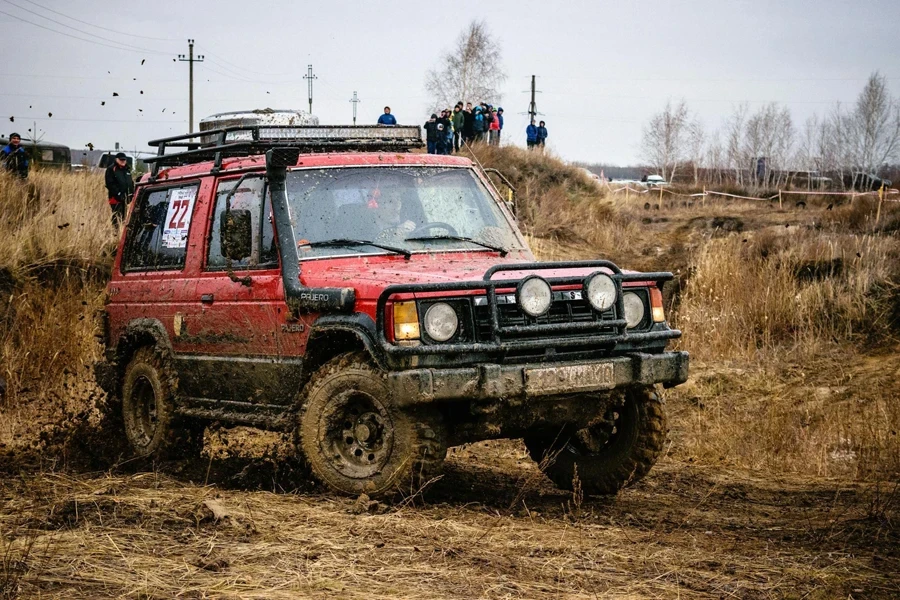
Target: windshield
{"x": 410, "y": 208}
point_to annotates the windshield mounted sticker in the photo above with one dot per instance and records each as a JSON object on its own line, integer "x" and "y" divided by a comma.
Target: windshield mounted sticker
{"x": 178, "y": 217}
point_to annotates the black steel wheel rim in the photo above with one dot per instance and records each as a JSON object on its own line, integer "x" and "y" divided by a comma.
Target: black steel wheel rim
{"x": 356, "y": 434}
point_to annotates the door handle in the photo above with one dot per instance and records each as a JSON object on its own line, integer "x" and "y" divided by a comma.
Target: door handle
{"x": 207, "y": 298}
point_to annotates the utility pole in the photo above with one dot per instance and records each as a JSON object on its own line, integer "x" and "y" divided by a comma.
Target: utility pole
{"x": 532, "y": 108}
{"x": 309, "y": 77}
{"x": 355, "y": 101}
{"x": 190, "y": 59}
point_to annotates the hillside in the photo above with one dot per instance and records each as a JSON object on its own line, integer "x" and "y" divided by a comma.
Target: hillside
{"x": 779, "y": 479}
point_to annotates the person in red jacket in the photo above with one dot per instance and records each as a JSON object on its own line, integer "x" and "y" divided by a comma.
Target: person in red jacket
{"x": 494, "y": 129}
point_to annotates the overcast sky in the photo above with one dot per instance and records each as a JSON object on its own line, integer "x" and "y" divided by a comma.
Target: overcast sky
{"x": 603, "y": 68}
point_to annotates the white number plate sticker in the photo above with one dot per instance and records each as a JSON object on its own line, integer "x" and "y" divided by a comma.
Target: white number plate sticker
{"x": 570, "y": 378}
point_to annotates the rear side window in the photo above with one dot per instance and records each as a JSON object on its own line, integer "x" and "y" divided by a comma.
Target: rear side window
{"x": 250, "y": 196}
{"x": 158, "y": 229}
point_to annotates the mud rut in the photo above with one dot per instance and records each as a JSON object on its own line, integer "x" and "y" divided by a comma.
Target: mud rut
{"x": 491, "y": 527}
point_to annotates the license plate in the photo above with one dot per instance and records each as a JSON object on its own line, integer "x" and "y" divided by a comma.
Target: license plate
{"x": 570, "y": 378}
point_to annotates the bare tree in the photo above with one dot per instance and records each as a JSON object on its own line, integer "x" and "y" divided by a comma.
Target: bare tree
{"x": 769, "y": 135}
{"x": 874, "y": 126}
{"x": 470, "y": 71}
{"x": 665, "y": 138}
{"x": 734, "y": 150}
{"x": 696, "y": 142}
{"x": 715, "y": 159}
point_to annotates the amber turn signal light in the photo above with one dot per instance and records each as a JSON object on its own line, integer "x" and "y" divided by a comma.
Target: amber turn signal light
{"x": 406, "y": 321}
{"x": 656, "y": 306}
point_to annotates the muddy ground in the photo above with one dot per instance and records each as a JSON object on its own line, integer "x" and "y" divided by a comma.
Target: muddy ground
{"x": 491, "y": 527}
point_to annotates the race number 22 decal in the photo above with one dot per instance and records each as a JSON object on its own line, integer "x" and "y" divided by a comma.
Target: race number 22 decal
{"x": 178, "y": 217}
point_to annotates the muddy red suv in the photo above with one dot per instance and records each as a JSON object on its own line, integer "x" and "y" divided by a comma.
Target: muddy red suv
{"x": 380, "y": 304}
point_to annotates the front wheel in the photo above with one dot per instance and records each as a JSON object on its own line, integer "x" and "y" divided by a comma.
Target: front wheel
{"x": 148, "y": 410}
{"x": 613, "y": 452}
{"x": 357, "y": 440}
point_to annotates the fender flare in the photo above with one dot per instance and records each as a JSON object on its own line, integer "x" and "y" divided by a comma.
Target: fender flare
{"x": 360, "y": 325}
{"x": 139, "y": 328}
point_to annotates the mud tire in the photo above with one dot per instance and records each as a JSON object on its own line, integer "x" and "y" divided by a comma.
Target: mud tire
{"x": 625, "y": 459}
{"x": 400, "y": 449}
{"x": 148, "y": 410}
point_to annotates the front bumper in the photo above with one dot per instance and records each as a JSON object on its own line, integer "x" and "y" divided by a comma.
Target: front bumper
{"x": 493, "y": 381}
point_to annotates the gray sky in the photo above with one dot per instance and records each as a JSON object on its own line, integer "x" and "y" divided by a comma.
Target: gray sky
{"x": 603, "y": 67}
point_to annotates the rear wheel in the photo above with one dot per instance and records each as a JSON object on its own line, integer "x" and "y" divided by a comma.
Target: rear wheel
{"x": 148, "y": 410}
{"x": 613, "y": 452}
{"x": 357, "y": 440}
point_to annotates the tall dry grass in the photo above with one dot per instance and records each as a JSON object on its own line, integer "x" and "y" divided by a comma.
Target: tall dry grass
{"x": 788, "y": 290}
{"x": 56, "y": 246}
{"x": 786, "y": 325}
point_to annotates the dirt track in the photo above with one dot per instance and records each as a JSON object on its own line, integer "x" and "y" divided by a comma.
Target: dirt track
{"x": 492, "y": 527}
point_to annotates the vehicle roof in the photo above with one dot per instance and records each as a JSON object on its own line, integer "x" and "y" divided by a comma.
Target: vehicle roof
{"x": 337, "y": 159}
{"x": 29, "y": 142}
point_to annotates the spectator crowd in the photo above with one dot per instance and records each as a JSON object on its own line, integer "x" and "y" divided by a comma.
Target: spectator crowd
{"x": 464, "y": 124}
{"x": 447, "y": 132}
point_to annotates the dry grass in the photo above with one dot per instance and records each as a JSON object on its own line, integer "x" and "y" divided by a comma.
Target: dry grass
{"x": 56, "y": 245}
{"x": 687, "y": 532}
{"x": 54, "y": 218}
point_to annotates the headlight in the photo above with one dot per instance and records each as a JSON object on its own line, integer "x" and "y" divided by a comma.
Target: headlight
{"x": 634, "y": 309}
{"x": 600, "y": 291}
{"x": 441, "y": 322}
{"x": 534, "y": 296}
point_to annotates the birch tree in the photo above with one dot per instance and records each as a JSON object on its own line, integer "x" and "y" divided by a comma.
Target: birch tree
{"x": 664, "y": 140}
{"x": 470, "y": 71}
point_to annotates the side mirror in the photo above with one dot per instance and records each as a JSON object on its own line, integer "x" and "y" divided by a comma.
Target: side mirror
{"x": 236, "y": 234}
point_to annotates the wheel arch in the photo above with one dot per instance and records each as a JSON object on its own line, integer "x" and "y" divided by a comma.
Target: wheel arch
{"x": 333, "y": 335}
{"x": 137, "y": 334}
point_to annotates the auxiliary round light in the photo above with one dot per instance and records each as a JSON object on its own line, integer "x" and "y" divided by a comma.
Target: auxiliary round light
{"x": 441, "y": 322}
{"x": 600, "y": 291}
{"x": 634, "y": 309}
{"x": 534, "y": 296}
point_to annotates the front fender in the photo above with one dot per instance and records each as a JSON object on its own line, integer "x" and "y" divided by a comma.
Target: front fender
{"x": 359, "y": 325}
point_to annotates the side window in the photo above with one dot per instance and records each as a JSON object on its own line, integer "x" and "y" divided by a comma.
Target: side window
{"x": 252, "y": 196}
{"x": 158, "y": 229}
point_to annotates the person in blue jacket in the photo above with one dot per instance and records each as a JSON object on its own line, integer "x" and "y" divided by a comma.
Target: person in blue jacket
{"x": 14, "y": 157}
{"x": 387, "y": 118}
{"x": 531, "y": 135}
{"x": 541, "y": 135}
{"x": 500, "y": 122}
{"x": 479, "y": 124}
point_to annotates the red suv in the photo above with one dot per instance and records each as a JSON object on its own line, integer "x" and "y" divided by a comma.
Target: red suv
{"x": 380, "y": 304}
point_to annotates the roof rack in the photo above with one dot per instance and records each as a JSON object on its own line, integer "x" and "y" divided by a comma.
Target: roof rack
{"x": 246, "y": 140}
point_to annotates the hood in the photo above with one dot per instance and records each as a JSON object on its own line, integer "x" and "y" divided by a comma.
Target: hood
{"x": 370, "y": 275}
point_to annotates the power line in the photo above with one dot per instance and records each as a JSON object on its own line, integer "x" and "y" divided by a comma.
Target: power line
{"x": 129, "y": 34}
{"x": 76, "y": 37}
{"x": 123, "y": 46}
{"x": 44, "y": 118}
{"x": 42, "y": 96}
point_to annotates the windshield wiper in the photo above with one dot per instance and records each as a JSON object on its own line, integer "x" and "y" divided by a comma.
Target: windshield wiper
{"x": 457, "y": 238}
{"x": 347, "y": 242}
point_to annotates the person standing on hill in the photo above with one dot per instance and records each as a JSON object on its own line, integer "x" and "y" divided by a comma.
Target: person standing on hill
{"x": 387, "y": 118}
{"x": 459, "y": 121}
{"x": 541, "y": 135}
{"x": 120, "y": 187}
{"x": 14, "y": 157}
{"x": 499, "y": 123}
{"x": 478, "y": 127}
{"x": 431, "y": 134}
{"x": 531, "y": 135}
{"x": 494, "y": 129}
{"x": 468, "y": 124}
{"x": 445, "y": 133}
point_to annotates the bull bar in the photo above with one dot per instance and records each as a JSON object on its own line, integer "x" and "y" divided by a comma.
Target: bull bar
{"x": 500, "y": 341}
